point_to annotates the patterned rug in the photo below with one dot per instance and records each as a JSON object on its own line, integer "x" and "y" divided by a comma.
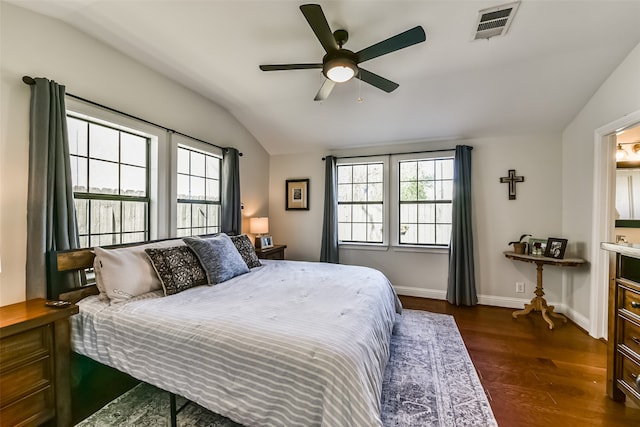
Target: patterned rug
{"x": 429, "y": 381}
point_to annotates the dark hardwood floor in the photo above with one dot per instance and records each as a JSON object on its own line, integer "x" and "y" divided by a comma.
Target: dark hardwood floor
{"x": 534, "y": 376}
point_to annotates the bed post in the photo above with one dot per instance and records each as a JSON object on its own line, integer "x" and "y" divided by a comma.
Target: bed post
{"x": 174, "y": 413}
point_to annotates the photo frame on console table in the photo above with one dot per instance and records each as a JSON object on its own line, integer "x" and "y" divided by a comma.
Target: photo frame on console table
{"x": 555, "y": 248}
{"x": 297, "y": 193}
{"x": 537, "y": 247}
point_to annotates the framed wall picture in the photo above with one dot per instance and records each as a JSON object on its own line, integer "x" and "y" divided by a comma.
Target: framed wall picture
{"x": 555, "y": 248}
{"x": 297, "y": 194}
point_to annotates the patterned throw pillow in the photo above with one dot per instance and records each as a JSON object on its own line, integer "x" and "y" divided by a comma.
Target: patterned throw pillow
{"x": 218, "y": 256}
{"x": 247, "y": 252}
{"x": 178, "y": 268}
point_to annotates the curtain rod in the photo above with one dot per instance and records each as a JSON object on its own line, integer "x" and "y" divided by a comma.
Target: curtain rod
{"x": 30, "y": 81}
{"x": 397, "y": 154}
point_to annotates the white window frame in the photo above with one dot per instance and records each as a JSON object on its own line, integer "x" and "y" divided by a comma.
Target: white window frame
{"x": 395, "y": 196}
{"x": 177, "y": 140}
{"x": 158, "y": 161}
{"x": 90, "y": 197}
{"x": 385, "y": 202}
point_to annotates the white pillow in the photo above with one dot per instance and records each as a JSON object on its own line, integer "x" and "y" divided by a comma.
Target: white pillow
{"x": 124, "y": 273}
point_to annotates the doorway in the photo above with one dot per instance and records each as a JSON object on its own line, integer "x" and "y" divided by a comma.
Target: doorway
{"x": 604, "y": 217}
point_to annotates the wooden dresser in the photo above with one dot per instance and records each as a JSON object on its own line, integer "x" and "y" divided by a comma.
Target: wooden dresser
{"x": 34, "y": 364}
{"x": 623, "y": 358}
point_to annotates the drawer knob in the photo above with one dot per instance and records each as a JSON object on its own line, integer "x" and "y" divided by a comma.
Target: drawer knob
{"x": 635, "y": 304}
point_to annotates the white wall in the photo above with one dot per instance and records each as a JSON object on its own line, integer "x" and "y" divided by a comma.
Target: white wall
{"x": 497, "y": 220}
{"x": 94, "y": 71}
{"x": 618, "y": 96}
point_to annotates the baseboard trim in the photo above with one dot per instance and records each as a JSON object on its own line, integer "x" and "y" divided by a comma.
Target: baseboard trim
{"x": 442, "y": 295}
{"x": 576, "y": 317}
{"x": 420, "y": 292}
{"x": 496, "y": 301}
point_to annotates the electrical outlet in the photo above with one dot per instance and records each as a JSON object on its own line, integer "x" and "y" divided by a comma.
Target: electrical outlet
{"x": 520, "y": 287}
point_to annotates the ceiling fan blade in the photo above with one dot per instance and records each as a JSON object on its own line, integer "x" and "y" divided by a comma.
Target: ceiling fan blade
{"x": 318, "y": 22}
{"x": 325, "y": 90}
{"x": 377, "y": 81}
{"x": 282, "y": 67}
{"x": 400, "y": 41}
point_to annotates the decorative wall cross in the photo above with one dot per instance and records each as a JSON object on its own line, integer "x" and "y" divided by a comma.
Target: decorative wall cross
{"x": 512, "y": 179}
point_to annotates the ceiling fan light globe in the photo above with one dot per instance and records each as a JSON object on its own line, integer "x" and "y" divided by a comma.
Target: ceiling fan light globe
{"x": 340, "y": 73}
{"x": 339, "y": 66}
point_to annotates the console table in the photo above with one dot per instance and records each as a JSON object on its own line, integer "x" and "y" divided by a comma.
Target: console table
{"x": 538, "y": 303}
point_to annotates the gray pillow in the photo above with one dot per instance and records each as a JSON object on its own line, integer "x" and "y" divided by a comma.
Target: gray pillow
{"x": 178, "y": 268}
{"x": 248, "y": 253}
{"x": 218, "y": 256}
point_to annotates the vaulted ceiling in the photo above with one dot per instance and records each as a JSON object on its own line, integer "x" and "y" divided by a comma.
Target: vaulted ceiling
{"x": 536, "y": 78}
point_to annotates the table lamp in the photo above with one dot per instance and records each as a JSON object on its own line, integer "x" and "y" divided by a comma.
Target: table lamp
{"x": 260, "y": 227}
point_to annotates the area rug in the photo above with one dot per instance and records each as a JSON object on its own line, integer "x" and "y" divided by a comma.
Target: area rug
{"x": 429, "y": 381}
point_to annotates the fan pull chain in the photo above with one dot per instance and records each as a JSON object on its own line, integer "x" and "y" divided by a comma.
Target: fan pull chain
{"x": 360, "y": 100}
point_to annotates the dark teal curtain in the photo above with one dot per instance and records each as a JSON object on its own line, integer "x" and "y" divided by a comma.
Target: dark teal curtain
{"x": 231, "y": 212}
{"x": 51, "y": 218}
{"x": 461, "y": 289}
{"x": 329, "y": 250}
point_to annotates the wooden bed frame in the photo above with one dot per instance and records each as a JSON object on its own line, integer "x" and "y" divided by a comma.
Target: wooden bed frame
{"x": 90, "y": 378}
{"x": 63, "y": 264}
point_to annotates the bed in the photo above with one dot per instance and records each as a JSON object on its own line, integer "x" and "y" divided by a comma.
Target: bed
{"x": 287, "y": 343}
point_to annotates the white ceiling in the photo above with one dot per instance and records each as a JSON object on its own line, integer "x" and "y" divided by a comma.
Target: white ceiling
{"x": 534, "y": 79}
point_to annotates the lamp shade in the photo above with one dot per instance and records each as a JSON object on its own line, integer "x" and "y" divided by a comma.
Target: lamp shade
{"x": 259, "y": 225}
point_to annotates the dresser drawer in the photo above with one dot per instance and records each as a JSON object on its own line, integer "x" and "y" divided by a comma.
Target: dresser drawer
{"x": 629, "y": 301}
{"x": 31, "y": 410}
{"x": 630, "y": 376}
{"x": 32, "y": 343}
{"x": 630, "y": 335}
{"x": 25, "y": 379}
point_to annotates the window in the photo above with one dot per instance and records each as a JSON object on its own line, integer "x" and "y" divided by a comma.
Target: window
{"x": 134, "y": 181}
{"x": 110, "y": 171}
{"x": 198, "y": 192}
{"x": 409, "y": 194}
{"x": 361, "y": 202}
{"x": 425, "y": 189}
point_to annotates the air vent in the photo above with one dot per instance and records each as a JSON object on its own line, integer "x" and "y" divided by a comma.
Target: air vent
{"x": 495, "y": 21}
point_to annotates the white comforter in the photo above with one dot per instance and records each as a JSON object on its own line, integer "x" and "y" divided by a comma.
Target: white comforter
{"x": 288, "y": 344}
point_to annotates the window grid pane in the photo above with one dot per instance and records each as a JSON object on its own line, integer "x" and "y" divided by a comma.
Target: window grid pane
{"x": 198, "y": 210}
{"x": 425, "y": 192}
{"x": 110, "y": 174}
{"x": 360, "y": 203}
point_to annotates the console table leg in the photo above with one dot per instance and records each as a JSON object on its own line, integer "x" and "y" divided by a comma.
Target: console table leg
{"x": 528, "y": 308}
{"x": 538, "y": 303}
{"x": 546, "y": 318}
{"x": 556, "y": 315}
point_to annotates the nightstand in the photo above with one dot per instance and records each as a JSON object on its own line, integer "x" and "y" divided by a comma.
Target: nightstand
{"x": 276, "y": 252}
{"x": 34, "y": 363}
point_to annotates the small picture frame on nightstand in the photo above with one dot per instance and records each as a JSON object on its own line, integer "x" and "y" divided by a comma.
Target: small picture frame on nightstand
{"x": 264, "y": 242}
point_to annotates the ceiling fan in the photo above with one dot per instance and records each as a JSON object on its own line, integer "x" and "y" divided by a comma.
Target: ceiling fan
{"x": 340, "y": 65}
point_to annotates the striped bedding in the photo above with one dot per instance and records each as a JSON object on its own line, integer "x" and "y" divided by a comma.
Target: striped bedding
{"x": 288, "y": 344}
